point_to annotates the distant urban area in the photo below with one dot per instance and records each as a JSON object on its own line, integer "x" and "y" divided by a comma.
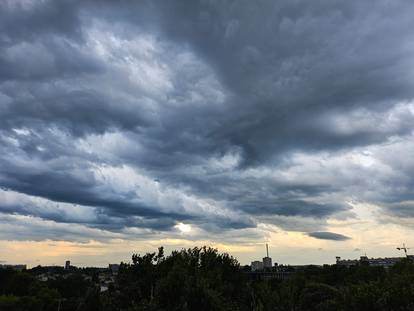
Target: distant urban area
{"x": 188, "y": 277}
{"x": 264, "y": 269}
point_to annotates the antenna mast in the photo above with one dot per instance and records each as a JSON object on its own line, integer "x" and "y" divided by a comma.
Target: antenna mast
{"x": 267, "y": 250}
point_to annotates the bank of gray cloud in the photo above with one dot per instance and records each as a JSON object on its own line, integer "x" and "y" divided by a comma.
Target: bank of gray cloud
{"x": 218, "y": 103}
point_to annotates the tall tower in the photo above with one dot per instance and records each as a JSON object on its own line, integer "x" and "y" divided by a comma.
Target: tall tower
{"x": 267, "y": 261}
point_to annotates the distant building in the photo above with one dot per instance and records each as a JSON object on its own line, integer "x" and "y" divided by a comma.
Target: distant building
{"x": 43, "y": 277}
{"x": 257, "y": 265}
{"x": 346, "y": 262}
{"x": 266, "y": 263}
{"x": 14, "y": 267}
{"x": 374, "y": 262}
{"x": 67, "y": 265}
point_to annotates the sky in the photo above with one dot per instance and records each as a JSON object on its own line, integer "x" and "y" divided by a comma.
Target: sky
{"x": 127, "y": 125}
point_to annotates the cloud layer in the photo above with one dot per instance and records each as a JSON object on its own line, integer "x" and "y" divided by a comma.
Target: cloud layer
{"x": 328, "y": 236}
{"x": 128, "y": 120}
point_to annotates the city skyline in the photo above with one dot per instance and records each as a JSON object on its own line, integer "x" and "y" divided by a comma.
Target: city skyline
{"x": 133, "y": 125}
{"x": 104, "y": 263}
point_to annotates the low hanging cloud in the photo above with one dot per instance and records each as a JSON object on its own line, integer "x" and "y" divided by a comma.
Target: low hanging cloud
{"x": 136, "y": 117}
{"x": 328, "y": 236}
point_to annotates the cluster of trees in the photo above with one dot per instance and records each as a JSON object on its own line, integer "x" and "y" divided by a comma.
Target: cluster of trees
{"x": 204, "y": 279}
{"x": 22, "y": 291}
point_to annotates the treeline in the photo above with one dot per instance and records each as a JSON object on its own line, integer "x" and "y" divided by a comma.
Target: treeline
{"x": 204, "y": 279}
{"x": 22, "y": 291}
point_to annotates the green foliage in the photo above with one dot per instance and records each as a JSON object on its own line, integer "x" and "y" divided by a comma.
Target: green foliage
{"x": 191, "y": 279}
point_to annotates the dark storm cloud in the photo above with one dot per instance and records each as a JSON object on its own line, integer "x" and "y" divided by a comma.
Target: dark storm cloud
{"x": 22, "y": 228}
{"x": 291, "y": 208}
{"x": 54, "y": 58}
{"x": 289, "y": 60}
{"x": 72, "y": 185}
{"x": 28, "y": 20}
{"x": 76, "y": 111}
{"x": 328, "y": 236}
{"x": 228, "y": 113}
{"x": 403, "y": 209}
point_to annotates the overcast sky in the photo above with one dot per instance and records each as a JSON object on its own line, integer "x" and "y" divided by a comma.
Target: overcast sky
{"x": 132, "y": 124}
